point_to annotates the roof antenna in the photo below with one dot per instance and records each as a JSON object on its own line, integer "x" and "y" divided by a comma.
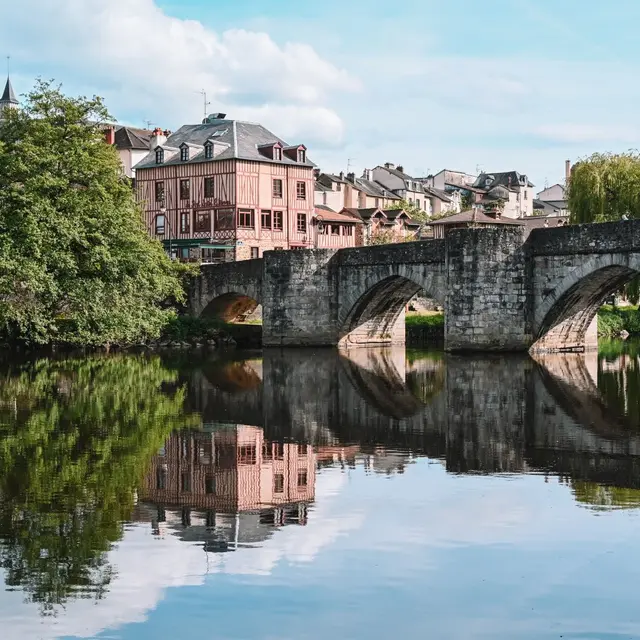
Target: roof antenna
{"x": 8, "y": 66}
{"x": 203, "y": 93}
{"x": 148, "y": 123}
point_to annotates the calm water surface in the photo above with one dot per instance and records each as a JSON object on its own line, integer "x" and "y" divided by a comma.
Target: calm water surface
{"x": 299, "y": 494}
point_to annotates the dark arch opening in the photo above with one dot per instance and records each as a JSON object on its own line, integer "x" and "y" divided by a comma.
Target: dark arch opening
{"x": 566, "y": 325}
{"x": 231, "y": 307}
{"x": 376, "y": 316}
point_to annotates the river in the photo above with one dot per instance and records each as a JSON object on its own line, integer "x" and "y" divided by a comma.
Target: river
{"x": 307, "y": 494}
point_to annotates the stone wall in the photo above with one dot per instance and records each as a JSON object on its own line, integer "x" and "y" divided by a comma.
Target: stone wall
{"x": 302, "y": 295}
{"x": 487, "y": 301}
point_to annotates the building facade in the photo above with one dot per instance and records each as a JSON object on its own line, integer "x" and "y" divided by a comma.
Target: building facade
{"x": 509, "y": 191}
{"x": 227, "y": 190}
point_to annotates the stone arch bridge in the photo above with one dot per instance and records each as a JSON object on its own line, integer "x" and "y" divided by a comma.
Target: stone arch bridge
{"x": 501, "y": 288}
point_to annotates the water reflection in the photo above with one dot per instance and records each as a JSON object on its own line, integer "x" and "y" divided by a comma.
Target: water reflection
{"x": 225, "y": 455}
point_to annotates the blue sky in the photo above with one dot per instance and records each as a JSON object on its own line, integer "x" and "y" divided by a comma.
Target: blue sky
{"x": 498, "y": 85}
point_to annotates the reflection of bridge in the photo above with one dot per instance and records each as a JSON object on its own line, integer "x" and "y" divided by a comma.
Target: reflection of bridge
{"x": 479, "y": 415}
{"x": 500, "y": 289}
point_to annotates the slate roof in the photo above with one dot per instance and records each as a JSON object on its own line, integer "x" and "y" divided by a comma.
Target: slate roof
{"x": 540, "y": 222}
{"x": 507, "y": 179}
{"x": 438, "y": 193}
{"x": 374, "y": 189}
{"x": 129, "y": 138}
{"x": 362, "y": 214}
{"x": 8, "y": 96}
{"x": 241, "y": 138}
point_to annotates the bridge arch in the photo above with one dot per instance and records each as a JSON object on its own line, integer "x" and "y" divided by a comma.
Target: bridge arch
{"x": 230, "y": 306}
{"x": 564, "y": 316}
{"x": 371, "y": 309}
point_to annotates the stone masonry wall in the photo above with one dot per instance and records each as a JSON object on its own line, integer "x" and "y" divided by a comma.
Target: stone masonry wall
{"x": 300, "y": 293}
{"x": 487, "y": 303}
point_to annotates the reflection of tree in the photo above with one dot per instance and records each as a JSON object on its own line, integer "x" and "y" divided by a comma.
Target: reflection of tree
{"x": 603, "y": 497}
{"x": 76, "y": 437}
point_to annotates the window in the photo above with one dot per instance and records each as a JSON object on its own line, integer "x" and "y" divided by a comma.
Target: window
{"x": 208, "y": 151}
{"x": 302, "y": 478}
{"x": 266, "y": 219}
{"x": 210, "y": 484}
{"x": 185, "y": 482}
{"x": 159, "y": 191}
{"x": 335, "y": 229}
{"x": 185, "y": 189}
{"x": 418, "y": 203}
{"x": 301, "y": 190}
{"x": 184, "y": 253}
{"x": 184, "y": 154}
{"x": 161, "y": 477}
{"x": 159, "y": 156}
{"x": 255, "y": 253}
{"x": 245, "y": 218}
{"x": 410, "y": 200}
{"x": 278, "y": 220}
{"x": 302, "y": 223}
{"x": 302, "y": 450}
{"x": 377, "y": 202}
{"x": 302, "y": 156}
{"x": 277, "y": 153}
{"x": 202, "y": 221}
{"x": 278, "y": 483}
{"x": 225, "y": 219}
{"x": 525, "y": 194}
{"x": 278, "y": 248}
{"x": 185, "y": 222}
{"x": 208, "y": 187}
{"x": 160, "y": 221}
{"x": 247, "y": 454}
{"x": 278, "y": 451}
{"x": 277, "y": 188}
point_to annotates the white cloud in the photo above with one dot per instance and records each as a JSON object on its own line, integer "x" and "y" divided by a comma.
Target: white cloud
{"x": 147, "y": 566}
{"x": 149, "y": 64}
{"x": 587, "y": 133}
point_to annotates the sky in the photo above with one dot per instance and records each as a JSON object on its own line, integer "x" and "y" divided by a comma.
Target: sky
{"x": 467, "y": 85}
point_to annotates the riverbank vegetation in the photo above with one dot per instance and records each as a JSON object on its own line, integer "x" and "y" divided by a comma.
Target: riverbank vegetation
{"x": 613, "y": 321}
{"x": 77, "y": 266}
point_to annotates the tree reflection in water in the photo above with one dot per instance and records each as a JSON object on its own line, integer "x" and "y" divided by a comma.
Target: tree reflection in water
{"x": 76, "y": 437}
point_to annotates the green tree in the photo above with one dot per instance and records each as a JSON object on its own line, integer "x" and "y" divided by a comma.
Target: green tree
{"x": 76, "y": 264}
{"x": 605, "y": 187}
{"x": 410, "y": 208}
{"x": 76, "y": 439}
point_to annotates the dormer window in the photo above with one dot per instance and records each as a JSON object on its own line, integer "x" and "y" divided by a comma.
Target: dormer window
{"x": 277, "y": 153}
{"x": 184, "y": 153}
{"x": 159, "y": 155}
{"x": 208, "y": 151}
{"x": 302, "y": 155}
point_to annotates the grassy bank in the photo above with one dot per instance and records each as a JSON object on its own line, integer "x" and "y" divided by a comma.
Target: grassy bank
{"x": 189, "y": 329}
{"x": 613, "y": 320}
{"x": 424, "y": 329}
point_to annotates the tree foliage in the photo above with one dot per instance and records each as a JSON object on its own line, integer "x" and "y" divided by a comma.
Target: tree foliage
{"x": 76, "y": 438}
{"x": 604, "y": 187}
{"x": 76, "y": 264}
{"x": 410, "y": 208}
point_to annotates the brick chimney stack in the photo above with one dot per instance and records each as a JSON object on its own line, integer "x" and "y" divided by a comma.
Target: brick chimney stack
{"x": 110, "y": 135}
{"x": 567, "y": 169}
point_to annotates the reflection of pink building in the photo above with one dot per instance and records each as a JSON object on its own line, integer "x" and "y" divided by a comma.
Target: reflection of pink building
{"x": 230, "y": 470}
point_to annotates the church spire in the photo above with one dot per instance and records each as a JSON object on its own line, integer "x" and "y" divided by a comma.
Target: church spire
{"x": 8, "y": 97}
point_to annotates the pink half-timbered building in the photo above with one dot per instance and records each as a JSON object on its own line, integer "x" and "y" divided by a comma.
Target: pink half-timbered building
{"x": 228, "y": 190}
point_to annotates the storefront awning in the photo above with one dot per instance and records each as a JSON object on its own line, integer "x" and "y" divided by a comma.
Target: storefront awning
{"x": 194, "y": 243}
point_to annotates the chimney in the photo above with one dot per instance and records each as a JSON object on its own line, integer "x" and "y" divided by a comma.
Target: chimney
{"x": 110, "y": 135}
{"x": 351, "y": 177}
{"x": 567, "y": 169}
{"x": 316, "y": 173}
{"x": 400, "y": 168}
{"x": 389, "y": 165}
{"x": 367, "y": 174}
{"x": 342, "y": 175}
{"x": 158, "y": 138}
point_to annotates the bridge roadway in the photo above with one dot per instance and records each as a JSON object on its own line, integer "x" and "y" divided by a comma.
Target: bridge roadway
{"x": 501, "y": 289}
{"x": 482, "y": 414}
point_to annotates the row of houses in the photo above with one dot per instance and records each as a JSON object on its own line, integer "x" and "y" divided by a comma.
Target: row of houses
{"x": 226, "y": 190}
